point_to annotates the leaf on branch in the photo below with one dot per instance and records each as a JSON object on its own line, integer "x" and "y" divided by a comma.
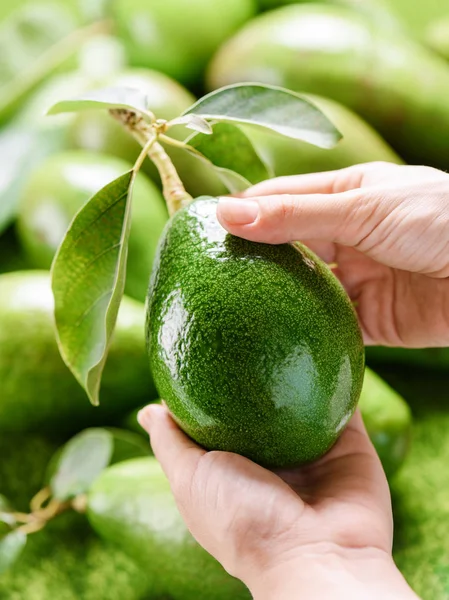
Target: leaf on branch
{"x": 111, "y": 98}
{"x": 11, "y": 546}
{"x": 276, "y": 109}
{"x": 88, "y": 280}
{"x": 80, "y": 462}
{"x": 193, "y": 122}
{"x": 230, "y": 148}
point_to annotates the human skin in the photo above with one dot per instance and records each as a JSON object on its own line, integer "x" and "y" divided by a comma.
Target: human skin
{"x": 324, "y": 530}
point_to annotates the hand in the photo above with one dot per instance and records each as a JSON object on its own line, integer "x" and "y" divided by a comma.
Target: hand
{"x": 385, "y": 226}
{"x": 321, "y": 531}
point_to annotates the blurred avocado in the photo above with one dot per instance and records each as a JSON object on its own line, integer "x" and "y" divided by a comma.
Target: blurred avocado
{"x": 38, "y": 392}
{"x": 177, "y": 37}
{"x": 387, "y": 419}
{"x": 61, "y": 185}
{"x": 397, "y": 85}
{"x": 360, "y": 143}
{"x": 131, "y": 505}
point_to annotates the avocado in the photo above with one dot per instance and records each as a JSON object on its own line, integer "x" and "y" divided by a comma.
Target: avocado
{"x": 397, "y": 85}
{"x": 255, "y": 348}
{"x": 388, "y": 421}
{"x": 175, "y": 37}
{"x": 360, "y": 144}
{"x": 167, "y": 99}
{"x": 37, "y": 390}
{"x": 66, "y": 560}
{"x": 61, "y": 185}
{"x": 131, "y": 505}
{"x": 437, "y": 36}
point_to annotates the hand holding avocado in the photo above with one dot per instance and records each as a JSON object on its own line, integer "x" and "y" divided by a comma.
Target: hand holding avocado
{"x": 314, "y": 532}
{"x": 386, "y": 229}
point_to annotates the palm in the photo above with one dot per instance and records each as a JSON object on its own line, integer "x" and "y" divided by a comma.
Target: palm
{"x": 388, "y": 301}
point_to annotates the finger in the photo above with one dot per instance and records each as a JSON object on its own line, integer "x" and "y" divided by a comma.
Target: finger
{"x": 341, "y": 218}
{"x": 328, "y": 182}
{"x": 174, "y": 450}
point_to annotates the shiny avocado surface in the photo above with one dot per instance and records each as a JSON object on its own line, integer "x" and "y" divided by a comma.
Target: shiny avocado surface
{"x": 255, "y": 348}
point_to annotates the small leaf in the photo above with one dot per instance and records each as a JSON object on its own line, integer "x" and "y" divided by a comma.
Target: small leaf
{"x": 11, "y": 546}
{"x": 231, "y": 149}
{"x": 234, "y": 182}
{"x": 193, "y": 122}
{"x": 110, "y": 98}
{"x": 81, "y": 461}
{"x": 126, "y": 445}
{"x": 88, "y": 280}
{"x": 274, "y": 108}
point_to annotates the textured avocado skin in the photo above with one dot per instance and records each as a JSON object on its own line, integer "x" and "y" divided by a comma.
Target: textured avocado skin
{"x": 132, "y": 506}
{"x": 37, "y": 391}
{"x": 255, "y": 348}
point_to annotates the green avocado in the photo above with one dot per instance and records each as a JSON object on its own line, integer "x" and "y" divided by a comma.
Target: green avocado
{"x": 255, "y": 348}
{"x": 437, "y": 36}
{"x": 177, "y": 37}
{"x": 397, "y": 85}
{"x": 387, "y": 419}
{"x": 167, "y": 99}
{"x": 37, "y": 390}
{"x": 131, "y": 505}
{"x": 61, "y": 185}
{"x": 360, "y": 144}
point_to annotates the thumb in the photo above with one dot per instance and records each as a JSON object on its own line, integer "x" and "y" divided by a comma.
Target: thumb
{"x": 284, "y": 218}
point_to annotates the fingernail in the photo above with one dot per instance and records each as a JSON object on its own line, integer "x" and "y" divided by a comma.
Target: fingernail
{"x": 236, "y": 211}
{"x": 144, "y": 418}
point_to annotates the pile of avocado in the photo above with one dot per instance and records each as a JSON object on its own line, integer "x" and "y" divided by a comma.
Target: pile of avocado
{"x": 372, "y": 69}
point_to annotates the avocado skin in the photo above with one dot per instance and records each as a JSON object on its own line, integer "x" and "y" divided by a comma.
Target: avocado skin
{"x": 62, "y": 185}
{"x": 131, "y": 505}
{"x": 388, "y": 421}
{"x": 394, "y": 83}
{"x": 37, "y": 391}
{"x": 255, "y": 348}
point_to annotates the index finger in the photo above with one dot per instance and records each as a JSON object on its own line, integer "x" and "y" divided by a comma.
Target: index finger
{"x": 174, "y": 450}
{"x": 329, "y": 182}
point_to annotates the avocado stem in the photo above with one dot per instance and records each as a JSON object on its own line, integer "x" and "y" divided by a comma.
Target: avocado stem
{"x": 173, "y": 189}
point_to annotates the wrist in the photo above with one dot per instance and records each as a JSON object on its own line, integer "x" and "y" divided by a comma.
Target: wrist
{"x": 332, "y": 574}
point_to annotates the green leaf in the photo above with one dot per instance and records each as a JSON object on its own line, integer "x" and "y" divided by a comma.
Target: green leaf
{"x": 88, "y": 280}
{"x": 276, "y": 109}
{"x": 234, "y": 182}
{"x": 81, "y": 461}
{"x": 34, "y": 43}
{"x": 126, "y": 445}
{"x": 193, "y": 122}
{"x": 21, "y": 150}
{"x": 11, "y": 546}
{"x": 230, "y": 148}
{"x": 110, "y": 98}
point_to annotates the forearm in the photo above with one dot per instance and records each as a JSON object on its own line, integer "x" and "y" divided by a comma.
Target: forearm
{"x": 331, "y": 577}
